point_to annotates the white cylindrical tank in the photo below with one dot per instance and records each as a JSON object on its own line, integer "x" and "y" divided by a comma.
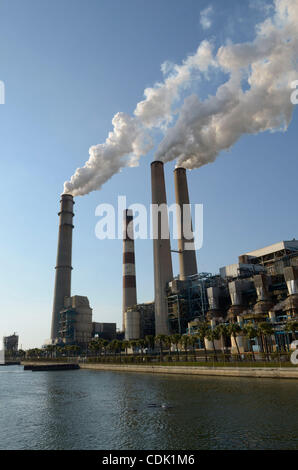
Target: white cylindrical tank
{"x": 132, "y": 322}
{"x": 218, "y": 343}
{"x": 242, "y": 342}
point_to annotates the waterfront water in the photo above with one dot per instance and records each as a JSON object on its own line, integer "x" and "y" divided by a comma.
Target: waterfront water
{"x": 116, "y": 410}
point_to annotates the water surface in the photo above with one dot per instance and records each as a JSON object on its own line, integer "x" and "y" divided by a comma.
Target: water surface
{"x": 118, "y": 410}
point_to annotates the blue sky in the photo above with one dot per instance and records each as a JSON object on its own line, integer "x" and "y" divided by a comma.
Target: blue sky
{"x": 68, "y": 67}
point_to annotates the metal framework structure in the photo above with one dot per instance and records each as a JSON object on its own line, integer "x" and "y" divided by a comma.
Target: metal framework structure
{"x": 191, "y": 301}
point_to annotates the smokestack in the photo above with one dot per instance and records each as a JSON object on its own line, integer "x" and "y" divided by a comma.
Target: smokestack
{"x": 163, "y": 271}
{"x": 187, "y": 253}
{"x": 63, "y": 265}
{"x": 129, "y": 272}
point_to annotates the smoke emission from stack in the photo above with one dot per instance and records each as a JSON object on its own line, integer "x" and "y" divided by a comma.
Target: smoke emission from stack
{"x": 129, "y": 271}
{"x": 269, "y": 66}
{"x": 63, "y": 265}
{"x": 255, "y": 98}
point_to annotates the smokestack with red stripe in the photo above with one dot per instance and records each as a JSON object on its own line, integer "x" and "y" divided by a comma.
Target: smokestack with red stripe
{"x": 129, "y": 272}
{"x": 187, "y": 253}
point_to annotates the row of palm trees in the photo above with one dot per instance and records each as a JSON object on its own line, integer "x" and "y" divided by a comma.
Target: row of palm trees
{"x": 263, "y": 331}
{"x": 50, "y": 351}
{"x": 98, "y": 346}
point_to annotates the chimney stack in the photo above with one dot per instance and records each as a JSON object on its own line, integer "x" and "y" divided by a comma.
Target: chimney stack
{"x": 163, "y": 272}
{"x": 129, "y": 272}
{"x": 187, "y": 253}
{"x": 63, "y": 265}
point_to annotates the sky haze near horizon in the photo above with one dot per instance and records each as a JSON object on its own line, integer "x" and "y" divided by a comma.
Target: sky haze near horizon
{"x": 68, "y": 67}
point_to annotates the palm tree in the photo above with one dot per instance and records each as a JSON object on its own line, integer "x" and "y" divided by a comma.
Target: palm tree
{"x": 141, "y": 344}
{"x": 150, "y": 341}
{"x": 223, "y": 332}
{"x": 93, "y": 346}
{"x": 50, "y": 349}
{"x": 75, "y": 349}
{"x": 161, "y": 341}
{"x": 167, "y": 343}
{"x": 234, "y": 329}
{"x": 133, "y": 344}
{"x": 251, "y": 332}
{"x": 175, "y": 339}
{"x": 60, "y": 350}
{"x": 184, "y": 341}
{"x": 114, "y": 346}
{"x": 193, "y": 340}
{"x": 21, "y": 353}
{"x": 68, "y": 349}
{"x": 265, "y": 329}
{"x": 101, "y": 344}
{"x": 213, "y": 335}
{"x": 292, "y": 327}
{"x": 125, "y": 346}
{"x": 105, "y": 344}
{"x": 202, "y": 334}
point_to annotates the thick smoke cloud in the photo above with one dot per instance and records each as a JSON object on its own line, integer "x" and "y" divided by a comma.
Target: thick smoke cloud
{"x": 267, "y": 66}
{"x": 255, "y": 98}
{"x": 130, "y": 138}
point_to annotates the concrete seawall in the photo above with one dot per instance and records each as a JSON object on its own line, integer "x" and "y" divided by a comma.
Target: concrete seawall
{"x": 257, "y": 372}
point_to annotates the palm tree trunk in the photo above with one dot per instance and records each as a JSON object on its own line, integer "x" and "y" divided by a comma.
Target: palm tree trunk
{"x": 205, "y": 351}
{"x": 215, "y": 355}
{"x": 252, "y": 351}
{"x": 238, "y": 350}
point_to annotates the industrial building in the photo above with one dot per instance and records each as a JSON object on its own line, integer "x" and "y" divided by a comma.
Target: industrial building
{"x": 261, "y": 286}
{"x": 140, "y": 321}
{"x": 76, "y": 320}
{"x": 104, "y": 330}
{"x": 11, "y": 344}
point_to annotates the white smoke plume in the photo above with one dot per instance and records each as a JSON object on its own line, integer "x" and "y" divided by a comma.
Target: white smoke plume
{"x": 267, "y": 67}
{"x": 130, "y": 138}
{"x": 255, "y": 98}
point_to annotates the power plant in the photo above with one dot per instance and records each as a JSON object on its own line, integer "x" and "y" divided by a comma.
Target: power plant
{"x": 262, "y": 286}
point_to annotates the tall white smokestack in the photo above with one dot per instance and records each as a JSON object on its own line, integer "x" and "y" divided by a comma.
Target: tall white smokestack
{"x": 187, "y": 253}
{"x": 63, "y": 265}
{"x": 163, "y": 271}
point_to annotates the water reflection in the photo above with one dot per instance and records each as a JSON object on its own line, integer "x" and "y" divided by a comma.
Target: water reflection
{"x": 115, "y": 410}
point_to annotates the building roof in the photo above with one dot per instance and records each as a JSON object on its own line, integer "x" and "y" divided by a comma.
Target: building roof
{"x": 291, "y": 245}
